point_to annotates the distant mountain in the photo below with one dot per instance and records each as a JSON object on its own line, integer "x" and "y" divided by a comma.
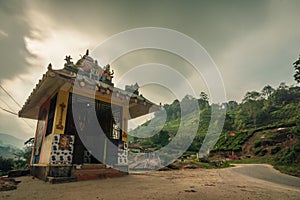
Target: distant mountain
{"x": 8, "y": 140}
{"x": 10, "y": 145}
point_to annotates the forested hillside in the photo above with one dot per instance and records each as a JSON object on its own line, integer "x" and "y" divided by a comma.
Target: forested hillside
{"x": 265, "y": 125}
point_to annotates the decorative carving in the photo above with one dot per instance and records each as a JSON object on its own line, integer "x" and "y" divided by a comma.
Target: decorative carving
{"x": 50, "y": 66}
{"x": 116, "y": 132}
{"x": 68, "y": 60}
{"x": 107, "y": 75}
{"x": 89, "y": 67}
{"x": 64, "y": 142}
{"x": 82, "y": 83}
{"x": 51, "y": 74}
{"x": 124, "y": 136}
{"x": 132, "y": 88}
{"x": 62, "y": 149}
{"x": 62, "y": 108}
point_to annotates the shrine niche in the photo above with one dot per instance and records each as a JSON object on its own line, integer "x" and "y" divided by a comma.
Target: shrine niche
{"x": 60, "y": 149}
{"x": 64, "y": 142}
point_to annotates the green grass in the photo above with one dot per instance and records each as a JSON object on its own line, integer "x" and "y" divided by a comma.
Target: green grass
{"x": 255, "y": 160}
{"x": 292, "y": 169}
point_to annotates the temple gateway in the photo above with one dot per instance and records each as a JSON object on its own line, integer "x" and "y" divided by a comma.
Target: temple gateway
{"x": 82, "y": 121}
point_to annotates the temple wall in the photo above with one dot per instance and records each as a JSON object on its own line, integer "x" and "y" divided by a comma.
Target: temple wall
{"x": 40, "y": 149}
{"x": 58, "y": 126}
{"x": 51, "y": 152}
{"x": 62, "y": 149}
{"x": 45, "y": 153}
{"x": 125, "y": 124}
{"x": 46, "y": 146}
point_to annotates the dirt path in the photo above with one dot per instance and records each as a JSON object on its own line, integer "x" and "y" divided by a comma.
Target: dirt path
{"x": 267, "y": 173}
{"x": 181, "y": 184}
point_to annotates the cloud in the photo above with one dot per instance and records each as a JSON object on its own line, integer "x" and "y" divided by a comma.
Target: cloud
{"x": 252, "y": 42}
{"x": 19, "y": 128}
{"x": 14, "y": 26}
{"x": 264, "y": 55}
{"x": 3, "y": 34}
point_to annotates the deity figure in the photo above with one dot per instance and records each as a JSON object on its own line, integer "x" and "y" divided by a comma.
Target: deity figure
{"x": 68, "y": 60}
{"x": 107, "y": 75}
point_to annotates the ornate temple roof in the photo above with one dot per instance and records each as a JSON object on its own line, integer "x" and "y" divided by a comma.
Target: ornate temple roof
{"x": 88, "y": 76}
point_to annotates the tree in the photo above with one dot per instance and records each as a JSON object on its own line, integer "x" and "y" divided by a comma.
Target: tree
{"x": 203, "y": 96}
{"x": 251, "y": 108}
{"x": 22, "y": 157}
{"x": 203, "y": 100}
{"x": 173, "y": 110}
{"x": 267, "y": 91}
{"x": 283, "y": 86}
{"x": 280, "y": 96}
{"x": 251, "y": 96}
{"x": 28, "y": 149}
{"x": 231, "y": 105}
{"x": 5, "y": 165}
{"x": 188, "y": 105}
{"x": 297, "y": 69}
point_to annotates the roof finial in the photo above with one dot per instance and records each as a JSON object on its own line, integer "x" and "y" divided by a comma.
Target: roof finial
{"x": 50, "y": 66}
{"x": 87, "y": 52}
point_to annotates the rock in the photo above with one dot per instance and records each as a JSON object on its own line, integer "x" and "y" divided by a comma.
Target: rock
{"x": 209, "y": 184}
{"x": 172, "y": 166}
{"x": 8, "y": 184}
{"x": 190, "y": 166}
{"x": 190, "y": 190}
{"x": 18, "y": 173}
{"x": 164, "y": 169}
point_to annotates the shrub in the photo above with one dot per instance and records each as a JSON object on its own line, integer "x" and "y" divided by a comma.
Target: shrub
{"x": 237, "y": 148}
{"x": 257, "y": 143}
{"x": 288, "y": 157}
{"x": 257, "y": 150}
{"x": 6, "y": 164}
{"x": 263, "y": 152}
{"x": 297, "y": 146}
{"x": 275, "y": 150}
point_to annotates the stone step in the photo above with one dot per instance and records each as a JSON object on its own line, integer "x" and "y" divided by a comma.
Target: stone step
{"x": 93, "y": 166}
{"x": 55, "y": 180}
{"x": 91, "y": 174}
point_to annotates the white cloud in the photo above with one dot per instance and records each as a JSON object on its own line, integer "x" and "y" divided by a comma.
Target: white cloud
{"x": 262, "y": 56}
{"x": 3, "y": 34}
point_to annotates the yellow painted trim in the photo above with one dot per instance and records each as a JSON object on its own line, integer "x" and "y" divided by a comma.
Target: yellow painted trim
{"x": 39, "y": 165}
{"x": 125, "y": 165}
{"x": 62, "y": 98}
{"x": 125, "y": 115}
{"x": 60, "y": 165}
{"x": 51, "y": 165}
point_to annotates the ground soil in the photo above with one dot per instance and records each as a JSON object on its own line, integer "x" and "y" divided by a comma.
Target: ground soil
{"x": 177, "y": 184}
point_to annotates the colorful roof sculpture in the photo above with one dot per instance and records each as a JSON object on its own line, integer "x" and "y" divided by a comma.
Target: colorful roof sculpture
{"x": 89, "y": 77}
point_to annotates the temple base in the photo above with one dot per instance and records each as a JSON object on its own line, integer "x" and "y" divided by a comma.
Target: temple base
{"x": 69, "y": 173}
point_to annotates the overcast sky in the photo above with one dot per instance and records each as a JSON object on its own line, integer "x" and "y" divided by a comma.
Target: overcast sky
{"x": 253, "y": 43}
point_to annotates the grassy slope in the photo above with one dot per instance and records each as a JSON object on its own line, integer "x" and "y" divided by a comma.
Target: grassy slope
{"x": 267, "y": 143}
